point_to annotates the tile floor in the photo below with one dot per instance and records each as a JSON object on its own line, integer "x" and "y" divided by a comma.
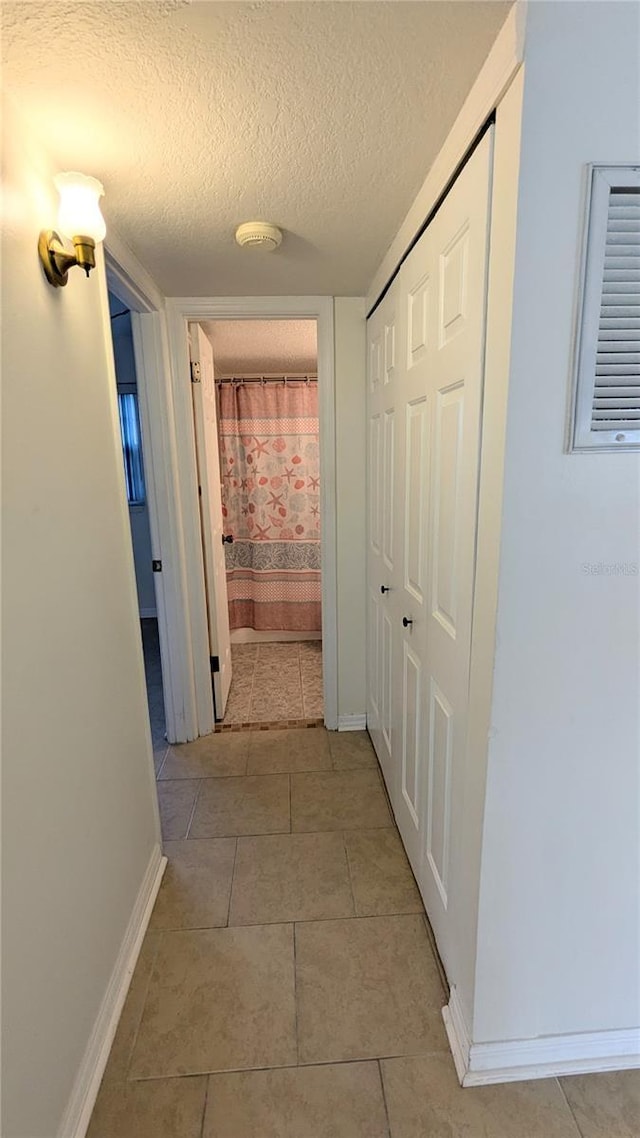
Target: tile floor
{"x": 275, "y": 682}
{"x": 286, "y": 987}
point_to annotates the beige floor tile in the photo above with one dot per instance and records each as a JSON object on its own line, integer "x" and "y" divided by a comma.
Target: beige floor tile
{"x": 175, "y": 801}
{"x": 218, "y": 1000}
{"x": 351, "y": 750}
{"x": 160, "y": 1108}
{"x": 605, "y": 1105}
{"x": 127, "y": 1029}
{"x": 338, "y": 800}
{"x": 243, "y": 652}
{"x": 366, "y": 988}
{"x": 380, "y": 873}
{"x": 270, "y": 708}
{"x": 279, "y": 652}
{"x": 290, "y": 877}
{"x": 424, "y": 1098}
{"x": 159, "y": 754}
{"x": 196, "y": 886}
{"x": 290, "y": 750}
{"x": 257, "y": 804}
{"x": 217, "y": 755}
{"x": 306, "y": 1102}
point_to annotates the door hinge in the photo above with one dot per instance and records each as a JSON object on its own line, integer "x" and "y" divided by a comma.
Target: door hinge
{"x": 156, "y": 566}
{"x": 215, "y": 664}
{"x": 195, "y": 372}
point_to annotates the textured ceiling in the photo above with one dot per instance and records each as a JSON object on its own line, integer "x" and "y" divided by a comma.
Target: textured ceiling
{"x": 246, "y": 347}
{"x": 322, "y": 117}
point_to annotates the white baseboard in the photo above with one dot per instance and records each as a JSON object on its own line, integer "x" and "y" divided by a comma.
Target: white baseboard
{"x": 83, "y": 1096}
{"x": 144, "y": 613}
{"x": 352, "y": 723}
{"x": 478, "y": 1064}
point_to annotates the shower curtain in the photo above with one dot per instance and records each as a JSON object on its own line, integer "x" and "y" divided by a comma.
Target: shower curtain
{"x": 270, "y": 477}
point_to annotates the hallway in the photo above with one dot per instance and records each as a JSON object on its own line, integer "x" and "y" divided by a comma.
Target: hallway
{"x": 287, "y": 987}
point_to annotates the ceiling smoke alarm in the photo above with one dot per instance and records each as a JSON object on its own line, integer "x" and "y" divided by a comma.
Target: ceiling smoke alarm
{"x": 258, "y": 235}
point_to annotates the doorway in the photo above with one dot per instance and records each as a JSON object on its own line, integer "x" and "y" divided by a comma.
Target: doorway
{"x": 180, "y": 313}
{"x": 256, "y": 425}
{"x": 137, "y": 500}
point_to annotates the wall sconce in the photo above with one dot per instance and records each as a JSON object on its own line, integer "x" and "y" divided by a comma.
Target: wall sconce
{"x": 80, "y": 219}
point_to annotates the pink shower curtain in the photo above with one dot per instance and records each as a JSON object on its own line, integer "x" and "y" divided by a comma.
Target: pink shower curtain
{"x": 270, "y": 475}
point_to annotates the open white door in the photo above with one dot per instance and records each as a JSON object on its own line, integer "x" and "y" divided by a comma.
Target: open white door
{"x": 205, "y": 420}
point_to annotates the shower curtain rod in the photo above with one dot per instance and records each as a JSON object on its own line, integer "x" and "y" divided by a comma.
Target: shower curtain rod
{"x": 288, "y": 378}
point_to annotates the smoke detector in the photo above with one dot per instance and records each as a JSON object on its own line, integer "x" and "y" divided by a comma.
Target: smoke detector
{"x": 258, "y": 235}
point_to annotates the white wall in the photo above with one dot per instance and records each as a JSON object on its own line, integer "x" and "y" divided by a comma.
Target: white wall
{"x": 79, "y": 812}
{"x": 350, "y": 383}
{"x": 138, "y": 515}
{"x": 558, "y": 941}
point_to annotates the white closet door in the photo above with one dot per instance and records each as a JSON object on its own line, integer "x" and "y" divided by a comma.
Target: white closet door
{"x": 454, "y": 377}
{"x": 382, "y": 575}
{"x": 418, "y": 293}
{"x": 420, "y": 633}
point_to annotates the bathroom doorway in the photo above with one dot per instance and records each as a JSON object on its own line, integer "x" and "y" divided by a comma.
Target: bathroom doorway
{"x": 265, "y": 525}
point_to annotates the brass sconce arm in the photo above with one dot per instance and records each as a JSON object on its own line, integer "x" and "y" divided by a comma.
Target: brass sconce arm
{"x": 56, "y": 261}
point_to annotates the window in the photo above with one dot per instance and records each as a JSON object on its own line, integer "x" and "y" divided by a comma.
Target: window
{"x": 606, "y": 414}
{"x": 131, "y": 447}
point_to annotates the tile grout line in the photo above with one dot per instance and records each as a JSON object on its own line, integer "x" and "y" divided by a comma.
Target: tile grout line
{"x": 346, "y": 854}
{"x": 204, "y": 1105}
{"x": 233, "y": 876}
{"x": 193, "y": 809}
{"x": 384, "y": 1097}
{"x": 569, "y": 1106}
{"x": 295, "y": 991}
{"x": 152, "y": 968}
{"x": 208, "y": 1073}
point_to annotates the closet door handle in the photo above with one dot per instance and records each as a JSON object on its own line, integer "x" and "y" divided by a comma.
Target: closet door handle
{"x": 406, "y": 621}
{"x": 384, "y": 589}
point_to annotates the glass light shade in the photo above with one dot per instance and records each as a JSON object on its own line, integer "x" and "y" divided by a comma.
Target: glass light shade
{"x": 79, "y": 213}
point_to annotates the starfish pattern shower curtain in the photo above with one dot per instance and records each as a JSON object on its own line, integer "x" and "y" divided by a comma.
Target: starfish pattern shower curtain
{"x": 270, "y": 477}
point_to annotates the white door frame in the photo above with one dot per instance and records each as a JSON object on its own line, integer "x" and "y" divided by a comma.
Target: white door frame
{"x": 180, "y": 311}
{"x": 130, "y": 282}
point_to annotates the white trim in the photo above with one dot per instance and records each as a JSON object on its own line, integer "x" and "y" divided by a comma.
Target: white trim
{"x": 145, "y": 614}
{"x": 87, "y": 1084}
{"x": 498, "y": 70}
{"x": 352, "y": 723}
{"x": 127, "y": 278}
{"x": 478, "y": 1064}
{"x": 181, "y": 310}
{"x": 457, "y": 1034}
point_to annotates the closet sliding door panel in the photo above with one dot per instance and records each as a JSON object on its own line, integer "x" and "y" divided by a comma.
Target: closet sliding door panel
{"x": 382, "y": 559}
{"x": 459, "y": 239}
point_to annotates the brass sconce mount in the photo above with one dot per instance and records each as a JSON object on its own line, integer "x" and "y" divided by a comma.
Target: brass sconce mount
{"x": 56, "y": 261}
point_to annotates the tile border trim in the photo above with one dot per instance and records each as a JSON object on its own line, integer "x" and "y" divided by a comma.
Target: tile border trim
{"x": 77, "y": 1115}
{"x": 505, "y": 1061}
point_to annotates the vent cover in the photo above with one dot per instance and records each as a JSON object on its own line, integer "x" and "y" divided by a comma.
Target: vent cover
{"x": 607, "y": 406}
